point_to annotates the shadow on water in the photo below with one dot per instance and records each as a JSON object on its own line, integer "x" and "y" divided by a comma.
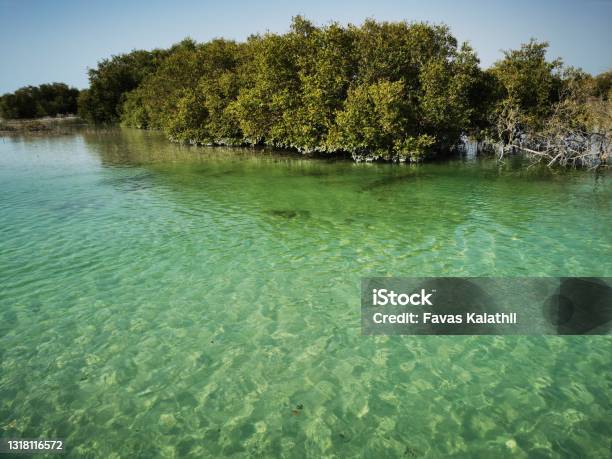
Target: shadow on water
{"x": 426, "y": 199}
{"x": 130, "y": 182}
{"x": 289, "y": 213}
{"x": 392, "y": 181}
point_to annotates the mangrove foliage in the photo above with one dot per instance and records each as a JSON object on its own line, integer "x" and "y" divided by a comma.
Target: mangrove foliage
{"x": 393, "y": 90}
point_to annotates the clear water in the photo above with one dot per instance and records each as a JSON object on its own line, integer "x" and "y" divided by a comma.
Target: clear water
{"x": 167, "y": 301}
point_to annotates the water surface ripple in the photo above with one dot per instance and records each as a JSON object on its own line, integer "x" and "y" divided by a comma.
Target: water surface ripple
{"x": 166, "y": 301}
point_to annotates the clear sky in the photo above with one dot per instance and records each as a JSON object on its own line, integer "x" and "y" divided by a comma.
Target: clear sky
{"x": 57, "y": 40}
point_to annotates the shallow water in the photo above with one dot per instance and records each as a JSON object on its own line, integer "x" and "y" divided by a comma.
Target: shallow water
{"x": 158, "y": 300}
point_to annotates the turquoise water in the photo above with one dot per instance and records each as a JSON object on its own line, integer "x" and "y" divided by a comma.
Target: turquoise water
{"x": 167, "y": 301}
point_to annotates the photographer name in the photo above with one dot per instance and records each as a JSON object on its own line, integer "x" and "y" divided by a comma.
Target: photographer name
{"x": 451, "y": 319}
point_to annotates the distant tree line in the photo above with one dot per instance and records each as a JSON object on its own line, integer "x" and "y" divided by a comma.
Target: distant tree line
{"x": 38, "y": 101}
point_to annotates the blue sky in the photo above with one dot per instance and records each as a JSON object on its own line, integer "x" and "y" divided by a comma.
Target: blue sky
{"x": 43, "y": 41}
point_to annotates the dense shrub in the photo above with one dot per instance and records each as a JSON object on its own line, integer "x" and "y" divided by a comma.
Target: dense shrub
{"x": 394, "y": 90}
{"x": 112, "y": 80}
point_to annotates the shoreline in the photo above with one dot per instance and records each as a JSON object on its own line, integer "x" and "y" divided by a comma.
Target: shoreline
{"x": 44, "y": 125}
{"x": 468, "y": 149}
